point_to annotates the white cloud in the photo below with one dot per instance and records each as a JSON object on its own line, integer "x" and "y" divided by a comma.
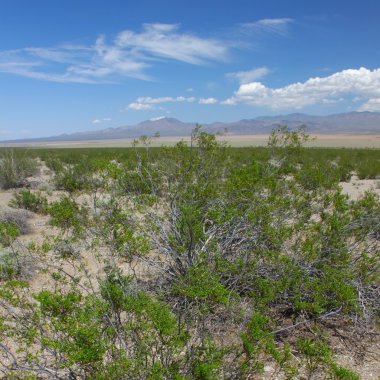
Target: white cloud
{"x": 249, "y": 75}
{"x": 277, "y": 26}
{"x": 157, "y": 118}
{"x": 207, "y": 101}
{"x": 163, "y": 40}
{"x": 80, "y": 64}
{"x": 163, "y": 99}
{"x": 372, "y": 104}
{"x": 229, "y": 102}
{"x": 139, "y": 106}
{"x": 130, "y": 54}
{"x": 147, "y": 102}
{"x": 351, "y": 82}
{"x": 104, "y": 120}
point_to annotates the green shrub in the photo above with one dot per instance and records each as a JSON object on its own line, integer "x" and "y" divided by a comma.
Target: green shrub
{"x": 316, "y": 175}
{"x": 14, "y": 168}
{"x": 369, "y": 168}
{"x": 10, "y": 267}
{"x": 72, "y": 178}
{"x": 9, "y": 231}
{"x": 27, "y": 200}
{"x": 341, "y": 373}
{"x": 68, "y": 215}
{"x": 208, "y": 361}
{"x": 17, "y": 218}
{"x": 316, "y": 353}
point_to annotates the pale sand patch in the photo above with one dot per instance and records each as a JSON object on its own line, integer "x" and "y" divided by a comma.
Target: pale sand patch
{"x": 356, "y": 187}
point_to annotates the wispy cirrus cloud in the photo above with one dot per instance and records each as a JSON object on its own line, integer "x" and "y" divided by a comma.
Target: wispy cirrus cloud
{"x": 165, "y": 41}
{"x": 275, "y": 26}
{"x": 362, "y": 82}
{"x": 129, "y": 54}
{"x": 75, "y": 64}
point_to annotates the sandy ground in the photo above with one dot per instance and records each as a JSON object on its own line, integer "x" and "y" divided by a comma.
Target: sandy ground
{"x": 319, "y": 140}
{"x": 357, "y": 187}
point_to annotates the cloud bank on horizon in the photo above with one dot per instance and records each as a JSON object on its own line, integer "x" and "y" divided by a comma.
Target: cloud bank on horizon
{"x": 362, "y": 83}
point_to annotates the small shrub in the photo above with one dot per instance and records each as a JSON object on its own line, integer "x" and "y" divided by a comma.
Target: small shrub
{"x": 46, "y": 187}
{"x": 15, "y": 168}
{"x": 368, "y": 169}
{"x": 74, "y": 178}
{"x": 18, "y": 218}
{"x": 341, "y": 373}
{"x": 315, "y": 175}
{"x": 27, "y": 200}
{"x": 66, "y": 214}
{"x": 317, "y": 354}
{"x": 8, "y": 233}
{"x": 9, "y": 266}
{"x": 66, "y": 250}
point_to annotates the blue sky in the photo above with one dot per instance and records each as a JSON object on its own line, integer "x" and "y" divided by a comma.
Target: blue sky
{"x": 68, "y": 66}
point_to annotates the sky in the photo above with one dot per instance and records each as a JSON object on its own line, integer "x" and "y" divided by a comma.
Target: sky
{"x": 82, "y": 65}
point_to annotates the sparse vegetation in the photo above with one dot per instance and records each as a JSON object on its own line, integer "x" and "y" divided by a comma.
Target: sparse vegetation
{"x": 195, "y": 262}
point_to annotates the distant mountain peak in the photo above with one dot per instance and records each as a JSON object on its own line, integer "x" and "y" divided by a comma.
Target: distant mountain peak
{"x": 349, "y": 122}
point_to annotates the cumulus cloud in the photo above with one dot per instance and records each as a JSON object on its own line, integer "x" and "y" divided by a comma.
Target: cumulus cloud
{"x": 248, "y": 76}
{"x": 207, "y": 101}
{"x": 333, "y": 88}
{"x": 229, "y": 102}
{"x": 139, "y": 106}
{"x": 130, "y": 54}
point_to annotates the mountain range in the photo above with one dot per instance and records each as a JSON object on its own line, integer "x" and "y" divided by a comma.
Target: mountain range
{"x": 343, "y": 123}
